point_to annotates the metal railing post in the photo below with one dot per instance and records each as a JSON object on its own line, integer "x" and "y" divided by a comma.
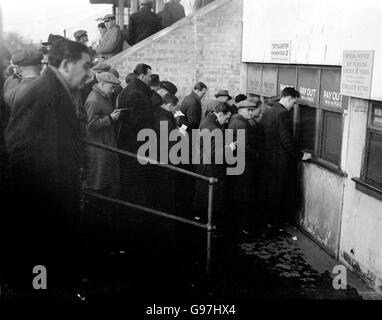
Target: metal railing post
{"x": 209, "y": 227}
{"x": 209, "y": 223}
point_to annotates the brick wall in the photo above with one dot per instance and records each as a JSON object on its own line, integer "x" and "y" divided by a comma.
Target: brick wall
{"x": 205, "y": 46}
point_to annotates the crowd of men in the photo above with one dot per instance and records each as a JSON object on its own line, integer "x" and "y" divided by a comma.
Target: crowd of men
{"x": 142, "y": 24}
{"x": 47, "y": 112}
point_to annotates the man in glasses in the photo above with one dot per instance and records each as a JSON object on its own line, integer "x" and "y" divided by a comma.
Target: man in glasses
{"x": 112, "y": 42}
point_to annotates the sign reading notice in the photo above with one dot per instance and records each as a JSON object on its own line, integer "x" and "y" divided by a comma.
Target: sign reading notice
{"x": 357, "y": 69}
{"x": 280, "y": 51}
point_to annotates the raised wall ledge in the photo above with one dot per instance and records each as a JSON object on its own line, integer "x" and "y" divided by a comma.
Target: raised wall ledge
{"x": 161, "y": 34}
{"x": 368, "y": 189}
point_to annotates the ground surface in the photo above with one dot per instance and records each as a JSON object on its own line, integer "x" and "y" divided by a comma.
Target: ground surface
{"x": 284, "y": 265}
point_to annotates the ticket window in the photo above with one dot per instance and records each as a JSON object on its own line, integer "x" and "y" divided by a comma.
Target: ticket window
{"x": 318, "y": 117}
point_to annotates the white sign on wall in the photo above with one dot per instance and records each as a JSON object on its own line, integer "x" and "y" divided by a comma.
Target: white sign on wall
{"x": 357, "y": 71}
{"x": 280, "y": 51}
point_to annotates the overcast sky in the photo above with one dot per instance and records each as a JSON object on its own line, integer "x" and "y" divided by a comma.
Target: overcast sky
{"x": 35, "y": 19}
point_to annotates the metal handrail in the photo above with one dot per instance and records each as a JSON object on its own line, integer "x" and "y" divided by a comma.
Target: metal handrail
{"x": 210, "y": 180}
{"x": 153, "y": 211}
{"x": 209, "y": 227}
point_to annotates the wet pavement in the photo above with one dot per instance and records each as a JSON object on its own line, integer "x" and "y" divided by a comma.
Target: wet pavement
{"x": 277, "y": 266}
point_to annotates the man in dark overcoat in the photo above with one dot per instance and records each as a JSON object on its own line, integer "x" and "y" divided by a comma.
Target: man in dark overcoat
{"x": 280, "y": 156}
{"x": 192, "y": 109}
{"x": 142, "y": 24}
{"x": 243, "y": 186}
{"x": 191, "y": 106}
{"x": 213, "y": 122}
{"x": 45, "y": 154}
{"x": 138, "y": 114}
{"x": 163, "y": 116}
{"x": 171, "y": 13}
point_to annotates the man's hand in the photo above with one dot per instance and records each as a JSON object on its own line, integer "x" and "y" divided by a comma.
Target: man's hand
{"x": 115, "y": 114}
{"x": 306, "y": 156}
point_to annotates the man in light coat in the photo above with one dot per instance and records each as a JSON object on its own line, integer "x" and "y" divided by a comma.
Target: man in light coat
{"x": 102, "y": 166}
{"x": 112, "y": 43}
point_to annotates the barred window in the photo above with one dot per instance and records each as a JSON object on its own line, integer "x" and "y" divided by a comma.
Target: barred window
{"x": 372, "y": 162}
{"x": 306, "y": 130}
{"x": 318, "y": 118}
{"x": 331, "y": 137}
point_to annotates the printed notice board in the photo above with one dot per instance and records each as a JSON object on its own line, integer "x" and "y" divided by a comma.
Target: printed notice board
{"x": 357, "y": 71}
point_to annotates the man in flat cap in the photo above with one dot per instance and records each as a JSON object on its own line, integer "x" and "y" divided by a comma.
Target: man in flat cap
{"x": 221, "y": 96}
{"x": 29, "y": 62}
{"x": 243, "y": 186}
{"x": 169, "y": 87}
{"x": 112, "y": 42}
{"x": 103, "y": 166}
{"x": 81, "y": 36}
{"x": 142, "y": 24}
{"x": 88, "y": 87}
{"x": 117, "y": 90}
{"x": 163, "y": 88}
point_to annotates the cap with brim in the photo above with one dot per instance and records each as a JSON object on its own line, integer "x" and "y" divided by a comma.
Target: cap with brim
{"x": 102, "y": 67}
{"x": 169, "y": 86}
{"x": 223, "y": 93}
{"x": 246, "y": 104}
{"x": 108, "y": 17}
{"x": 80, "y": 33}
{"x": 109, "y": 78}
{"x": 27, "y": 57}
{"x": 52, "y": 38}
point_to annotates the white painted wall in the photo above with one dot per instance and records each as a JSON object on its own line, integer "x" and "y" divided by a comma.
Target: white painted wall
{"x": 319, "y": 31}
{"x": 361, "y": 229}
{"x": 322, "y": 193}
